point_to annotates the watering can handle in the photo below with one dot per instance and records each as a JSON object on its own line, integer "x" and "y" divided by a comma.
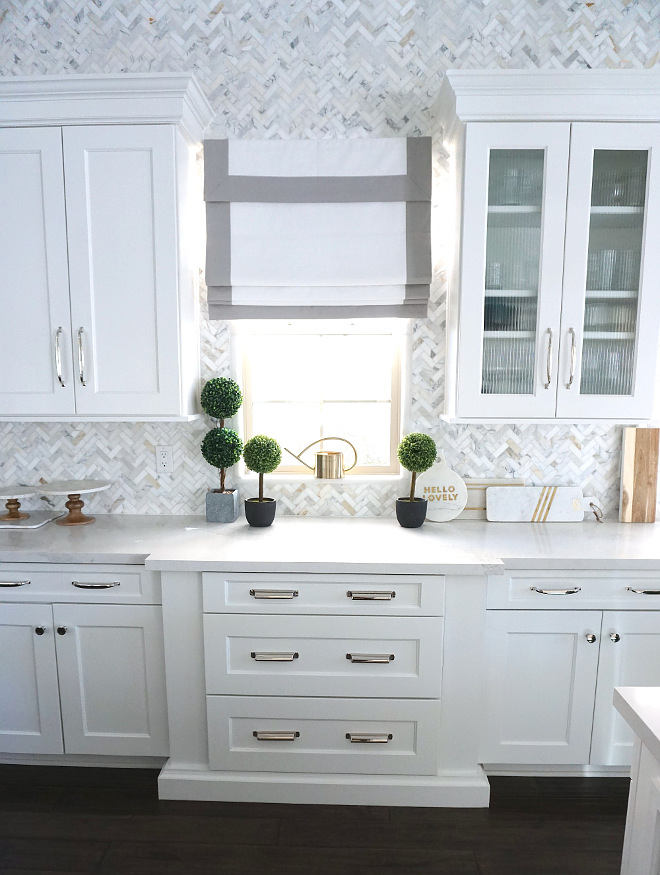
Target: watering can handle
{"x": 319, "y": 441}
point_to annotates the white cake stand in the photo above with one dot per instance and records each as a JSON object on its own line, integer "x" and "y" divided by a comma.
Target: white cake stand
{"x": 12, "y": 494}
{"x": 73, "y": 489}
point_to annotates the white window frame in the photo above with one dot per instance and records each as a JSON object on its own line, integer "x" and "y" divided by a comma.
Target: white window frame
{"x": 400, "y": 401}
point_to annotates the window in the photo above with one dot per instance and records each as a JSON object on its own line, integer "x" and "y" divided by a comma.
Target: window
{"x": 310, "y": 379}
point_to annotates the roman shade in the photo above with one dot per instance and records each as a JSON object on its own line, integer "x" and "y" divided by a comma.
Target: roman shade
{"x": 318, "y": 228}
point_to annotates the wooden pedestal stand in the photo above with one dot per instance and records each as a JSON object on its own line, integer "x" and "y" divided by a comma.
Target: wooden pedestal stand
{"x": 12, "y": 494}
{"x": 73, "y": 489}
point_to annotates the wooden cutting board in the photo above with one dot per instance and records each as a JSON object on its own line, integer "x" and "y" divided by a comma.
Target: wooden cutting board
{"x": 536, "y": 504}
{"x": 639, "y": 475}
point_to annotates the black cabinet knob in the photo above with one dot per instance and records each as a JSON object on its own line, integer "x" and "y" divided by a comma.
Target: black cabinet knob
{"x": 61, "y": 630}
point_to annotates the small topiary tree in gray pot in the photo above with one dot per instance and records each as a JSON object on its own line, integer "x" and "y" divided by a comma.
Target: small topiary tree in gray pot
{"x": 416, "y": 452}
{"x": 221, "y": 398}
{"x": 262, "y": 455}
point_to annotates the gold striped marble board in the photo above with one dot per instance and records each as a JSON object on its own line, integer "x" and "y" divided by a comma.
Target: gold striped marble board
{"x": 536, "y": 504}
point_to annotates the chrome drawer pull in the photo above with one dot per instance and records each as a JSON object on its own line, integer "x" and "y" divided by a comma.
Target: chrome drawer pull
{"x": 273, "y": 657}
{"x": 556, "y": 591}
{"x": 643, "y": 591}
{"x": 370, "y": 657}
{"x": 80, "y": 585}
{"x": 276, "y": 736}
{"x": 15, "y": 583}
{"x": 371, "y": 738}
{"x": 274, "y": 593}
{"x": 373, "y": 596}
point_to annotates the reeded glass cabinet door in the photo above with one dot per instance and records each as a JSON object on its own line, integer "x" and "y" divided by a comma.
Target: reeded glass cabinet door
{"x": 514, "y": 203}
{"x": 610, "y": 315}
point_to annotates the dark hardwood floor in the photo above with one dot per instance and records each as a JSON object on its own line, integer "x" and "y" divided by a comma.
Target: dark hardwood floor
{"x": 110, "y": 820}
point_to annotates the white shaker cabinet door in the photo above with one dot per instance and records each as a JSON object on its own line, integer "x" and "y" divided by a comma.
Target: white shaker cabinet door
{"x": 629, "y": 657}
{"x": 29, "y": 699}
{"x": 122, "y": 229}
{"x": 541, "y": 677}
{"x": 112, "y": 679}
{"x": 35, "y": 332}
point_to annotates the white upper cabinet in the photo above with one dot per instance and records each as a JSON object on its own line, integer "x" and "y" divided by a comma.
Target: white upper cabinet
{"x": 98, "y": 305}
{"x": 34, "y": 280}
{"x": 553, "y": 304}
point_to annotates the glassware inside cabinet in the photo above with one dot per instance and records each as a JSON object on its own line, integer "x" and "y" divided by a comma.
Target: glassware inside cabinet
{"x": 511, "y": 282}
{"x": 616, "y": 227}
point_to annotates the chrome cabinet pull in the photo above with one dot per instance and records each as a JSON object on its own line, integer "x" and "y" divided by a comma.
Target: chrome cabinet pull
{"x": 15, "y": 583}
{"x": 58, "y": 357}
{"x": 548, "y": 362}
{"x": 262, "y": 656}
{"x": 556, "y": 591}
{"x": 373, "y": 596}
{"x": 80, "y": 585}
{"x": 370, "y": 657}
{"x": 591, "y": 638}
{"x": 81, "y": 357}
{"x": 571, "y": 375}
{"x": 643, "y": 591}
{"x": 276, "y": 736}
{"x": 614, "y": 637}
{"x": 369, "y": 738}
{"x": 274, "y": 593}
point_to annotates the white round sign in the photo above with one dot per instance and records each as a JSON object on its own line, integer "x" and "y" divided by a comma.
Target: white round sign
{"x": 445, "y": 492}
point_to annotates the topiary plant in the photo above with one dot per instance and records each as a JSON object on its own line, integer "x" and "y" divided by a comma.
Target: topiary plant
{"x": 417, "y": 453}
{"x": 262, "y": 455}
{"x": 222, "y": 448}
{"x": 221, "y": 398}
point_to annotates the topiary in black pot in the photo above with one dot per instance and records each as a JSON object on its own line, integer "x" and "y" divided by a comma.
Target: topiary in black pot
{"x": 417, "y": 453}
{"x": 262, "y": 455}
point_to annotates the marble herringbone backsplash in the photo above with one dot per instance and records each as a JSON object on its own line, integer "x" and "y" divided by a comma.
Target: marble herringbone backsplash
{"x": 311, "y": 68}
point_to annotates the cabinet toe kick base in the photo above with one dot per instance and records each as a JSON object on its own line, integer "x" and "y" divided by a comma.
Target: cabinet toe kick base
{"x": 464, "y": 790}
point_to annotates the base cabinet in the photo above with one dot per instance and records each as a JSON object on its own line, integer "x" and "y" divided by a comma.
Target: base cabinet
{"x": 82, "y": 678}
{"x": 551, "y": 673}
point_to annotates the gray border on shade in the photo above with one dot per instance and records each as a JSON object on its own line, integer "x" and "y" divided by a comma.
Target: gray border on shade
{"x": 414, "y": 305}
{"x": 216, "y": 166}
{"x": 218, "y": 244}
{"x": 415, "y": 185}
{"x": 418, "y": 243}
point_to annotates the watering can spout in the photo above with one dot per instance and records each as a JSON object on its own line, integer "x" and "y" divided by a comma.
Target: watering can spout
{"x": 329, "y": 465}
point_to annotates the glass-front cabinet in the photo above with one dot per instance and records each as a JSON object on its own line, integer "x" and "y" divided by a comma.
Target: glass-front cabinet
{"x": 559, "y": 281}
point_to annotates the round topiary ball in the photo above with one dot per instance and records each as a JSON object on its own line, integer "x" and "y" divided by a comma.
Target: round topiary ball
{"x": 221, "y": 398}
{"x": 222, "y": 447}
{"x": 417, "y": 452}
{"x": 262, "y": 454}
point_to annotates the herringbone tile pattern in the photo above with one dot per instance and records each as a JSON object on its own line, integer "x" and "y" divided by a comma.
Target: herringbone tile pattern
{"x": 316, "y": 68}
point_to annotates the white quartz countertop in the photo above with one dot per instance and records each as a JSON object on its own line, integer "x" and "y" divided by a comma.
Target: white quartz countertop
{"x": 331, "y": 543}
{"x": 640, "y": 708}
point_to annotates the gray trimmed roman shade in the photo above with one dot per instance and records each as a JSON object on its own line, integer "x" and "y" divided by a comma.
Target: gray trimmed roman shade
{"x": 318, "y": 228}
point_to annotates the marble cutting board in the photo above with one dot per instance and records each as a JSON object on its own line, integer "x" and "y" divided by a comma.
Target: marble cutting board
{"x": 536, "y": 504}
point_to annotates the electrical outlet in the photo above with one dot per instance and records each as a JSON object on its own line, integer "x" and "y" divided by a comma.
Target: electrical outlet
{"x": 164, "y": 461}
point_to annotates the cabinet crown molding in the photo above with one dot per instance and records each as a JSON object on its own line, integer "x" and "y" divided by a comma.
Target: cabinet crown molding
{"x": 549, "y": 95}
{"x": 128, "y": 98}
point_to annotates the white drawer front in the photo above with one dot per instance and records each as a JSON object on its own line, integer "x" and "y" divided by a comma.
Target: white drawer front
{"x": 389, "y": 737}
{"x": 79, "y": 583}
{"x": 363, "y": 594}
{"x": 563, "y": 591}
{"x": 330, "y": 656}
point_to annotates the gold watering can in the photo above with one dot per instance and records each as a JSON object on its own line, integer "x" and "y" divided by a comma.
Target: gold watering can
{"x": 329, "y": 465}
